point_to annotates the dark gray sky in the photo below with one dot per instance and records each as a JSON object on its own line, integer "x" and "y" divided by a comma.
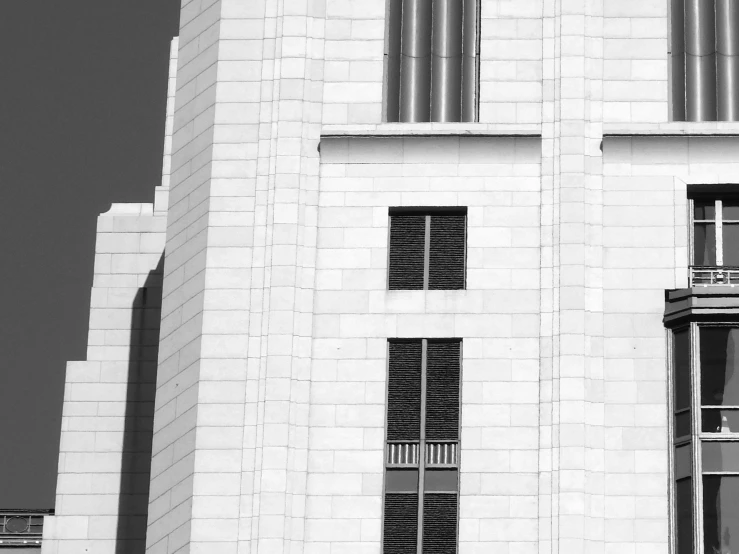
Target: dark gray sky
{"x": 82, "y": 102}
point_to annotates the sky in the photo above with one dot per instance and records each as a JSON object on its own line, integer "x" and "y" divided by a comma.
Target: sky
{"x": 82, "y": 107}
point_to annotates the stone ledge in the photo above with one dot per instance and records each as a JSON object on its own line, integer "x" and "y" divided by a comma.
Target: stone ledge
{"x": 129, "y": 209}
{"x": 432, "y": 129}
{"x": 676, "y": 129}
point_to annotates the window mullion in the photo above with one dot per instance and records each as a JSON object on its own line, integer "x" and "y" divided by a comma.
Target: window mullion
{"x": 696, "y": 439}
{"x": 691, "y": 230}
{"x": 426, "y": 256}
{"x": 422, "y": 439}
{"x": 719, "y": 233}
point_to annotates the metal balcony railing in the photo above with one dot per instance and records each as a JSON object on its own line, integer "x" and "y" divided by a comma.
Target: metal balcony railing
{"x": 704, "y": 276}
{"x": 21, "y": 528}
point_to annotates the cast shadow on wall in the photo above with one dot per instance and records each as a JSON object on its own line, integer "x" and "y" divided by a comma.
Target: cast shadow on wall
{"x": 139, "y": 415}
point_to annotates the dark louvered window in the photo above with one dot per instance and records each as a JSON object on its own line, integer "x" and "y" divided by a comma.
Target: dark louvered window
{"x": 422, "y": 452}
{"x": 427, "y": 250}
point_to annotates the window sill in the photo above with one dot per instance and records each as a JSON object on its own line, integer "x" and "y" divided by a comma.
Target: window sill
{"x": 676, "y": 128}
{"x": 432, "y": 129}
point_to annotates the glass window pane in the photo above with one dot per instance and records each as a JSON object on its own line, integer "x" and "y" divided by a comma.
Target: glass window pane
{"x": 682, "y": 425}
{"x": 720, "y": 421}
{"x": 704, "y": 244}
{"x": 704, "y": 209}
{"x": 401, "y": 480}
{"x": 719, "y": 357}
{"x": 720, "y": 456}
{"x": 683, "y": 461}
{"x": 731, "y": 244}
{"x": 721, "y": 513}
{"x": 681, "y": 368}
{"x": 731, "y": 210}
{"x": 684, "y": 515}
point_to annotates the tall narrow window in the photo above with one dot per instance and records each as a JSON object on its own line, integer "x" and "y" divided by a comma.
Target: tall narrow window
{"x": 706, "y": 438}
{"x": 422, "y": 452}
{"x": 432, "y": 60}
{"x": 705, "y": 60}
{"x": 427, "y": 250}
{"x": 715, "y": 244}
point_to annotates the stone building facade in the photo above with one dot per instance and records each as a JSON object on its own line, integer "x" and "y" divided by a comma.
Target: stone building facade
{"x": 237, "y": 392}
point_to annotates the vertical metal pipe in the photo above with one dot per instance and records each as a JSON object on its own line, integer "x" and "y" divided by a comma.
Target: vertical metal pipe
{"x": 700, "y": 66}
{"x": 415, "y": 62}
{"x": 727, "y": 59}
{"x": 677, "y": 17}
{"x": 446, "y": 61}
{"x": 469, "y": 60}
{"x": 392, "y": 61}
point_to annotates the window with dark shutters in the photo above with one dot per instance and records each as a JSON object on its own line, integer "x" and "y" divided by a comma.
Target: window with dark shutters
{"x": 422, "y": 450}
{"x": 407, "y": 252}
{"x": 427, "y": 249}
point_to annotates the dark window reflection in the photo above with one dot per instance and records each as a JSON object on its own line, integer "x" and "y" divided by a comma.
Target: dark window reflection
{"x": 704, "y": 247}
{"x": 731, "y": 244}
{"x": 720, "y": 514}
{"x": 718, "y": 359}
{"x": 720, "y": 421}
{"x": 682, "y": 424}
{"x": 684, "y": 515}
{"x": 681, "y": 365}
{"x": 731, "y": 210}
{"x": 704, "y": 209}
{"x": 720, "y": 456}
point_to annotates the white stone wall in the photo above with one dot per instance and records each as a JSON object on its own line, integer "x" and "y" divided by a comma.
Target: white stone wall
{"x": 645, "y": 241}
{"x": 108, "y": 400}
{"x": 635, "y": 65}
{"x": 497, "y": 318}
{"x": 510, "y": 61}
{"x": 270, "y": 420}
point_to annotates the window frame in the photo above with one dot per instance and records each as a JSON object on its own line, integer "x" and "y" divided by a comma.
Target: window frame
{"x": 697, "y": 436}
{"x": 421, "y": 465}
{"x": 720, "y": 273}
{"x": 428, "y": 212}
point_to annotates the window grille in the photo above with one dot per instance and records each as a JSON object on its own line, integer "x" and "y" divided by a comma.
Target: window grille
{"x": 432, "y": 59}
{"x": 705, "y": 60}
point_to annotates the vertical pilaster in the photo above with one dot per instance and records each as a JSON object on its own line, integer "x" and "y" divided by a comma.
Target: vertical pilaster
{"x": 572, "y": 413}
{"x": 283, "y": 273}
{"x": 232, "y": 401}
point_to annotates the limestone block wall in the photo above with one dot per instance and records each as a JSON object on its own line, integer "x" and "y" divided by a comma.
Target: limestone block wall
{"x": 107, "y": 418}
{"x": 497, "y": 178}
{"x": 635, "y": 62}
{"x": 645, "y": 243}
{"x": 510, "y": 61}
{"x": 354, "y": 61}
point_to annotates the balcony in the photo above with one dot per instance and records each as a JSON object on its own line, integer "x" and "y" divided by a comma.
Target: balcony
{"x": 21, "y": 528}
{"x": 704, "y": 276}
